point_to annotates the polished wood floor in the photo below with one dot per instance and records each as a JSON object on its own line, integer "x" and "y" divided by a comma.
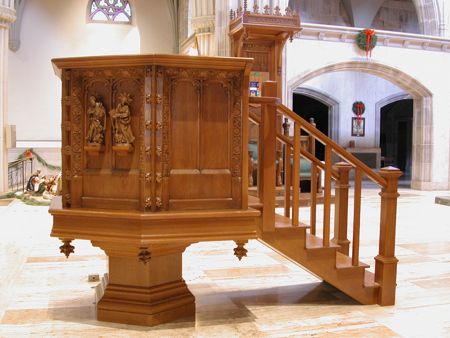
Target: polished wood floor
{"x": 44, "y": 295}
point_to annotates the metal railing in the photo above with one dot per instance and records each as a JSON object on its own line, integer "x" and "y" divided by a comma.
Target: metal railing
{"x": 19, "y": 172}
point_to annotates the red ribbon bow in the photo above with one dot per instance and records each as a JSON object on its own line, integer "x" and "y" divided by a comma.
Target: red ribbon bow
{"x": 369, "y": 33}
{"x": 359, "y": 111}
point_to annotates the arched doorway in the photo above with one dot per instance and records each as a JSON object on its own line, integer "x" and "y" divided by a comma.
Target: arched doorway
{"x": 396, "y": 120}
{"x": 309, "y": 103}
{"x": 310, "y": 108}
{"x": 422, "y": 145}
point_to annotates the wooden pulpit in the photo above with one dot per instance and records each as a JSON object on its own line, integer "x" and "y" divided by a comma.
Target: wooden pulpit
{"x": 154, "y": 158}
{"x": 261, "y": 34}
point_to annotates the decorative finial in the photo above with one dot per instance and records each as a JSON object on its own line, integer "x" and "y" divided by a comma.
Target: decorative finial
{"x": 245, "y": 6}
{"x": 288, "y": 11}
{"x": 256, "y": 8}
{"x": 148, "y": 203}
{"x": 240, "y": 251}
{"x": 159, "y": 203}
{"x": 266, "y": 10}
{"x": 144, "y": 255}
{"x": 277, "y": 10}
{"x": 66, "y": 248}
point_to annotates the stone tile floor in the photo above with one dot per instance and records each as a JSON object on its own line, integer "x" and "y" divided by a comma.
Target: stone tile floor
{"x": 43, "y": 294}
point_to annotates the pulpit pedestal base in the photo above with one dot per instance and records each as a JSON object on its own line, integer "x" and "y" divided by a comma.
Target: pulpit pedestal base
{"x": 146, "y": 293}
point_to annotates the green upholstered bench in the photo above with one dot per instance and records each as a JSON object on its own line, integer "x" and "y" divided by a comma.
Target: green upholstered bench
{"x": 305, "y": 165}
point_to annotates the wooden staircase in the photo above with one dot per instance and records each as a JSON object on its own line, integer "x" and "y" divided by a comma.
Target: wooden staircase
{"x": 299, "y": 246}
{"x": 328, "y": 258}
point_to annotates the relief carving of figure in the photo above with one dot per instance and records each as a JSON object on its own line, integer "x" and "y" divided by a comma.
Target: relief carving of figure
{"x": 96, "y": 122}
{"x": 121, "y": 120}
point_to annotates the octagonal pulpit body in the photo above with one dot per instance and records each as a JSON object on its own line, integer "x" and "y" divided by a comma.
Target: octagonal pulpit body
{"x": 154, "y": 157}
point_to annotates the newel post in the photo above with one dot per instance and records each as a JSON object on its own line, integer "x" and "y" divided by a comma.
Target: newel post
{"x": 385, "y": 261}
{"x": 341, "y": 207}
{"x": 267, "y": 153}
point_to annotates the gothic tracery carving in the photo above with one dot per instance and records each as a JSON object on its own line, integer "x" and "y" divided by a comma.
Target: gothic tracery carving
{"x": 76, "y": 144}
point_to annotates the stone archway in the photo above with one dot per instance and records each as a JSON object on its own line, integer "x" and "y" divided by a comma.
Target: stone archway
{"x": 428, "y": 15}
{"x": 422, "y": 112}
{"x": 333, "y": 106}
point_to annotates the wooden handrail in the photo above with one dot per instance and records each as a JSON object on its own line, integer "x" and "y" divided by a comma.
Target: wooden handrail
{"x": 303, "y": 152}
{"x": 336, "y": 148}
{"x": 272, "y": 141}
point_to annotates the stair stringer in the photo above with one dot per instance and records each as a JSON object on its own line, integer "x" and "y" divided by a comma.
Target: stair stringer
{"x": 355, "y": 281}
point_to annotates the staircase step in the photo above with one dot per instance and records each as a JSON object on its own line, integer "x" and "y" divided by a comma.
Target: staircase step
{"x": 314, "y": 243}
{"x": 369, "y": 280}
{"x": 304, "y": 199}
{"x": 345, "y": 268}
{"x": 345, "y": 262}
{"x": 254, "y": 202}
{"x": 285, "y": 222}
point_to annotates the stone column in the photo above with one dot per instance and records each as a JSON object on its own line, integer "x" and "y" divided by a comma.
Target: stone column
{"x": 222, "y": 22}
{"x": 203, "y": 24}
{"x": 7, "y": 16}
{"x": 444, "y": 18}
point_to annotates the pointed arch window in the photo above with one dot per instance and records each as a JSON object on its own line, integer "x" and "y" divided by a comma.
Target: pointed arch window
{"x": 110, "y": 11}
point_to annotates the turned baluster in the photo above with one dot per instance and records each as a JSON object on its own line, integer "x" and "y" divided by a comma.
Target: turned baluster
{"x": 327, "y": 197}
{"x": 312, "y": 139}
{"x": 356, "y": 217}
{"x": 385, "y": 261}
{"x": 341, "y": 207}
{"x": 287, "y": 171}
{"x": 313, "y": 208}
{"x": 296, "y": 176}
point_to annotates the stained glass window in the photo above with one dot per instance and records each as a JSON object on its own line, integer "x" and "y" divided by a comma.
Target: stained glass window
{"x": 118, "y": 11}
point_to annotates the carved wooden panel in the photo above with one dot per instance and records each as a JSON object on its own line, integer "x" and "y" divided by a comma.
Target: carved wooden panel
{"x": 261, "y": 52}
{"x": 103, "y": 178}
{"x": 185, "y": 132}
{"x": 153, "y": 137}
{"x": 204, "y": 134}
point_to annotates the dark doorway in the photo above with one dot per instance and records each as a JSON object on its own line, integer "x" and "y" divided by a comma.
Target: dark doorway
{"x": 396, "y": 121}
{"x": 308, "y": 107}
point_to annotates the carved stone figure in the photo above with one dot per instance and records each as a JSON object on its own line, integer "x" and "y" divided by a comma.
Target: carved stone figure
{"x": 121, "y": 120}
{"x": 96, "y": 122}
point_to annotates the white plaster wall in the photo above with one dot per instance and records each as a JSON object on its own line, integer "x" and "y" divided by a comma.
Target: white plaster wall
{"x": 430, "y": 68}
{"x": 55, "y": 28}
{"x": 155, "y": 26}
{"x": 347, "y": 87}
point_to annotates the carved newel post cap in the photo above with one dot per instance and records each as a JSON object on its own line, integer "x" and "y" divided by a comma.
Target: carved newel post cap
{"x": 390, "y": 168}
{"x": 343, "y": 165}
{"x": 391, "y": 171}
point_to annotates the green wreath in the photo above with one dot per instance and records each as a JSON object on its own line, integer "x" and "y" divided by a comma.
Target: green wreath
{"x": 29, "y": 152}
{"x": 364, "y": 36}
{"x": 358, "y": 107}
